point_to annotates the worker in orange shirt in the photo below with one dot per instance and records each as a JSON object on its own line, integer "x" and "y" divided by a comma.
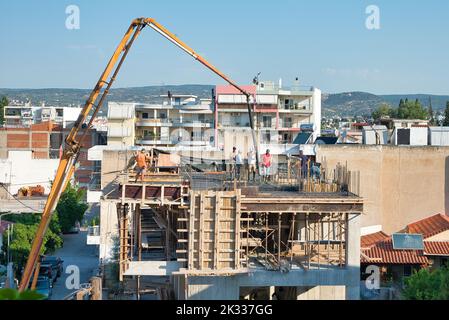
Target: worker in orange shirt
{"x": 266, "y": 166}
{"x": 141, "y": 159}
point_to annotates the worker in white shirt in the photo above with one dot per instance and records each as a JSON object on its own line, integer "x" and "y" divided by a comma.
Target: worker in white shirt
{"x": 238, "y": 164}
{"x": 251, "y": 164}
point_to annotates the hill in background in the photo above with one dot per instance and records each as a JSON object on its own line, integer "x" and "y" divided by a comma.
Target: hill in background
{"x": 342, "y": 104}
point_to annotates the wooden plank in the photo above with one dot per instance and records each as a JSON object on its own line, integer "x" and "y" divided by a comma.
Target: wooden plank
{"x": 218, "y": 203}
{"x": 191, "y": 228}
{"x": 200, "y": 231}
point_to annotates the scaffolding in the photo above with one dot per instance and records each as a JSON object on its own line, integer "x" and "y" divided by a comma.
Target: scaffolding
{"x": 232, "y": 229}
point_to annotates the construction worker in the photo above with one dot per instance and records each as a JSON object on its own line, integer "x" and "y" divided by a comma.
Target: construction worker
{"x": 266, "y": 165}
{"x": 238, "y": 164}
{"x": 304, "y": 159}
{"x": 232, "y": 162}
{"x": 251, "y": 164}
{"x": 141, "y": 159}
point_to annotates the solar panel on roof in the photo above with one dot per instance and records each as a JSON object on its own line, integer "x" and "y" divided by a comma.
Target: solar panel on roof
{"x": 406, "y": 241}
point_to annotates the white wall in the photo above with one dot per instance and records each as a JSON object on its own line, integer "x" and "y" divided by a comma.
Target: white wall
{"x": 70, "y": 115}
{"x": 20, "y": 170}
{"x": 316, "y": 117}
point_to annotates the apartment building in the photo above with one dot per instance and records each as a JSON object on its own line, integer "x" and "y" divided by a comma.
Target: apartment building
{"x": 45, "y": 140}
{"x": 25, "y": 116}
{"x": 280, "y": 116}
{"x": 283, "y": 118}
{"x": 178, "y": 119}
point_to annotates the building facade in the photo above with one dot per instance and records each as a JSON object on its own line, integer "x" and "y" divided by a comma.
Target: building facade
{"x": 279, "y": 116}
{"x": 178, "y": 119}
{"x": 25, "y": 116}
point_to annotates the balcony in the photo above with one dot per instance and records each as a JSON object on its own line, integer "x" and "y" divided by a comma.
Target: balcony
{"x": 232, "y": 124}
{"x": 152, "y": 106}
{"x": 12, "y": 113}
{"x": 151, "y": 140}
{"x": 27, "y": 113}
{"x": 154, "y": 123}
{"x": 192, "y": 124}
{"x": 194, "y": 107}
{"x": 297, "y": 108}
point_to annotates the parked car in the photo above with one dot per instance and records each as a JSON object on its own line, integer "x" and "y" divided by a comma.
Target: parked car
{"x": 46, "y": 270}
{"x": 43, "y": 286}
{"x": 56, "y": 264}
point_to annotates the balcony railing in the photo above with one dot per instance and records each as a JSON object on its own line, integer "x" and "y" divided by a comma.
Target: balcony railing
{"x": 297, "y": 108}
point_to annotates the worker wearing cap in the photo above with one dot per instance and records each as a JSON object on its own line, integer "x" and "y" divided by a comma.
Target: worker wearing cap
{"x": 141, "y": 159}
{"x": 266, "y": 165}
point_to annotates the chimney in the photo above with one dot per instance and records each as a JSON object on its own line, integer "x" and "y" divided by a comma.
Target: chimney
{"x": 280, "y": 83}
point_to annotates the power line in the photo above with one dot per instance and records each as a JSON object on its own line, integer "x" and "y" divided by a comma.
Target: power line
{"x": 25, "y": 205}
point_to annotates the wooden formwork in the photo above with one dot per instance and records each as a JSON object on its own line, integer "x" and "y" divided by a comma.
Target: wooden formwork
{"x": 213, "y": 233}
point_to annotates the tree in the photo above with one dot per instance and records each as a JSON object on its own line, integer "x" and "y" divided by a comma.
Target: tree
{"x": 22, "y": 239}
{"x": 430, "y": 112}
{"x": 428, "y": 285}
{"x": 71, "y": 207}
{"x": 446, "y": 115}
{"x": 384, "y": 110}
{"x": 411, "y": 110}
{"x": 3, "y": 103}
{"x": 13, "y": 294}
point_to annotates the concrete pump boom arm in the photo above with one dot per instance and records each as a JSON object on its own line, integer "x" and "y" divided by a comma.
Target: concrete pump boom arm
{"x": 80, "y": 129}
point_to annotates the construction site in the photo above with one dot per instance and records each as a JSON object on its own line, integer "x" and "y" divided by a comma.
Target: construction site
{"x": 194, "y": 226}
{"x": 187, "y": 232}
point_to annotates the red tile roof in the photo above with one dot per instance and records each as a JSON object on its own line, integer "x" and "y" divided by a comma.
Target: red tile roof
{"x": 430, "y": 226}
{"x": 383, "y": 253}
{"x": 436, "y": 248}
{"x": 371, "y": 239}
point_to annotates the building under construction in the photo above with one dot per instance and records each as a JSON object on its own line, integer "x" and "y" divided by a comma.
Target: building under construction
{"x": 191, "y": 232}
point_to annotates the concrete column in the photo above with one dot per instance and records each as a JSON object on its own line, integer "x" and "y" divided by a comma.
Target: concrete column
{"x": 272, "y": 290}
{"x": 353, "y": 257}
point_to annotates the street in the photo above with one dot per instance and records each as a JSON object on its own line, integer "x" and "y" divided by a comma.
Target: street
{"x": 75, "y": 252}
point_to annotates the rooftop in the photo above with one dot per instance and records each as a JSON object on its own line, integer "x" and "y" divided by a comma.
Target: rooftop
{"x": 430, "y": 226}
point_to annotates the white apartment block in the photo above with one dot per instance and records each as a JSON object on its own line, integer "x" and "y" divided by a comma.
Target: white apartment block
{"x": 283, "y": 117}
{"x": 179, "y": 119}
{"x": 25, "y": 116}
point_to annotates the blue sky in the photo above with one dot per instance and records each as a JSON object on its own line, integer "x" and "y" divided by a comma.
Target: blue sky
{"x": 324, "y": 42}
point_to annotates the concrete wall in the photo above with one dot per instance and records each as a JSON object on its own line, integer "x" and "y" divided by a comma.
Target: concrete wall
{"x": 332, "y": 283}
{"x": 443, "y": 236}
{"x": 321, "y": 293}
{"x": 399, "y": 184}
{"x": 21, "y": 170}
{"x": 108, "y": 231}
{"x": 112, "y": 165}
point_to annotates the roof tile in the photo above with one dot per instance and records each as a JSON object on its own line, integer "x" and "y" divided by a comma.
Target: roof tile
{"x": 430, "y": 226}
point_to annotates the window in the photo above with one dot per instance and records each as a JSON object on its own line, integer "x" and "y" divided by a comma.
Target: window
{"x": 266, "y": 121}
{"x": 145, "y": 115}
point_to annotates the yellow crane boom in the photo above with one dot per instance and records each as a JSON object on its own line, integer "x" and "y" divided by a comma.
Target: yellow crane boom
{"x": 93, "y": 104}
